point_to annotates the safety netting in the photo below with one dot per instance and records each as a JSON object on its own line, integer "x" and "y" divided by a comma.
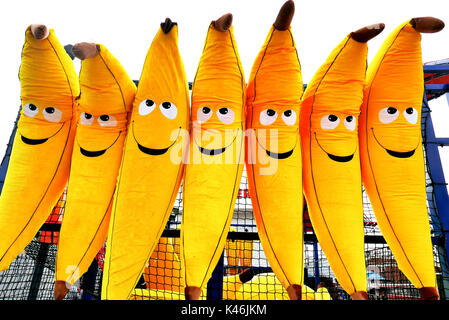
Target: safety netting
{"x": 243, "y": 272}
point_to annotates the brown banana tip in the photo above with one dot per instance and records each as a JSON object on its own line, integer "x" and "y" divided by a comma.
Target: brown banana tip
{"x": 367, "y": 33}
{"x": 61, "y": 290}
{"x": 429, "y": 293}
{"x": 285, "y": 16}
{"x": 223, "y": 23}
{"x": 192, "y": 293}
{"x": 39, "y": 31}
{"x": 294, "y": 292}
{"x": 359, "y": 295}
{"x": 427, "y": 24}
{"x": 167, "y": 25}
{"x": 85, "y": 50}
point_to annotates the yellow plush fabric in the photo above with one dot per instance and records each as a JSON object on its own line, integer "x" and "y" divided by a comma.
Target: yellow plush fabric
{"x": 40, "y": 160}
{"x": 273, "y": 154}
{"x": 216, "y": 156}
{"x": 107, "y": 94}
{"x": 152, "y": 166}
{"x": 266, "y": 286}
{"x": 391, "y": 152}
{"x": 332, "y": 179}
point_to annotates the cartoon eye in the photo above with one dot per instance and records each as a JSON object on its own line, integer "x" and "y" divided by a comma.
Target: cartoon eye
{"x": 411, "y": 114}
{"x": 268, "y": 116}
{"x": 168, "y": 109}
{"x": 203, "y": 114}
{"x": 350, "y": 123}
{"x": 30, "y": 110}
{"x": 226, "y": 115}
{"x": 107, "y": 120}
{"x": 389, "y": 114}
{"x": 146, "y": 107}
{"x": 289, "y": 117}
{"x": 330, "y": 122}
{"x": 52, "y": 114}
{"x": 86, "y": 118}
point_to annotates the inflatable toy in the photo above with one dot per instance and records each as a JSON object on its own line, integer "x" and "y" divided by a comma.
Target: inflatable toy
{"x": 152, "y": 165}
{"x": 273, "y": 151}
{"x": 40, "y": 161}
{"x": 212, "y": 176}
{"x": 107, "y": 94}
{"x": 330, "y": 108}
{"x": 266, "y": 286}
{"x": 391, "y": 150}
{"x": 164, "y": 277}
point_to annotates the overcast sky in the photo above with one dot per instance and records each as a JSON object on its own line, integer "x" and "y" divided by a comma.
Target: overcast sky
{"x": 127, "y": 28}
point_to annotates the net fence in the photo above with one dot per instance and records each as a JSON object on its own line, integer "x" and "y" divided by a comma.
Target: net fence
{"x": 31, "y": 275}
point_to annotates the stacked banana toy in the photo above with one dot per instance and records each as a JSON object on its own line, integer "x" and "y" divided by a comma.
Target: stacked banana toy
{"x": 152, "y": 165}
{"x": 216, "y": 156}
{"x": 391, "y": 150}
{"x": 107, "y": 94}
{"x": 40, "y": 161}
{"x": 273, "y": 156}
{"x": 332, "y": 178}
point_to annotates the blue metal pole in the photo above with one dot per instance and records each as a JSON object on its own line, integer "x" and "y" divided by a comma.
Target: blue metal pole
{"x": 215, "y": 284}
{"x": 439, "y": 194}
{"x": 316, "y": 264}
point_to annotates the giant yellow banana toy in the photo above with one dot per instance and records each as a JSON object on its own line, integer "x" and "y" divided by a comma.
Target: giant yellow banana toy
{"x": 391, "y": 151}
{"x": 107, "y": 94}
{"x": 273, "y": 157}
{"x": 152, "y": 165}
{"x": 216, "y": 156}
{"x": 40, "y": 161}
{"x": 332, "y": 178}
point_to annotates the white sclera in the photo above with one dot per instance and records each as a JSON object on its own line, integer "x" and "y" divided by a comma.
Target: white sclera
{"x": 350, "y": 123}
{"x": 27, "y": 110}
{"x": 52, "y": 114}
{"x": 267, "y": 119}
{"x": 290, "y": 119}
{"x": 110, "y": 122}
{"x": 169, "y": 111}
{"x": 226, "y": 115}
{"x": 411, "y": 117}
{"x": 327, "y": 124}
{"x": 84, "y": 119}
{"x": 203, "y": 114}
{"x": 388, "y": 117}
{"x": 146, "y": 107}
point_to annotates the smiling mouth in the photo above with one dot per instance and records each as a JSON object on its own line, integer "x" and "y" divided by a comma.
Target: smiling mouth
{"x": 333, "y": 156}
{"x": 93, "y": 154}
{"x": 152, "y": 151}
{"x": 397, "y": 154}
{"x": 214, "y": 152}
{"x": 87, "y": 153}
{"x": 274, "y": 155}
{"x": 34, "y": 142}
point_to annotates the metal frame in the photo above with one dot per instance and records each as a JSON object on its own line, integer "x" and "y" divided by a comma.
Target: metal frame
{"x": 439, "y": 195}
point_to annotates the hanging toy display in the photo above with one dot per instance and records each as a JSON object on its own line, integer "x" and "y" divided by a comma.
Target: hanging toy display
{"x": 332, "y": 179}
{"x": 40, "y": 161}
{"x": 152, "y": 165}
{"x": 107, "y": 94}
{"x": 391, "y": 151}
{"x": 273, "y": 152}
{"x": 216, "y": 156}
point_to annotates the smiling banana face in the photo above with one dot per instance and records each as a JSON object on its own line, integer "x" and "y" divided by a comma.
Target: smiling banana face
{"x": 107, "y": 95}
{"x": 392, "y": 158}
{"x": 40, "y": 161}
{"x": 152, "y": 165}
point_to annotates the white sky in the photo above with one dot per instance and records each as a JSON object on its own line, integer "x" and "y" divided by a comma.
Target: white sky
{"x": 128, "y": 27}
